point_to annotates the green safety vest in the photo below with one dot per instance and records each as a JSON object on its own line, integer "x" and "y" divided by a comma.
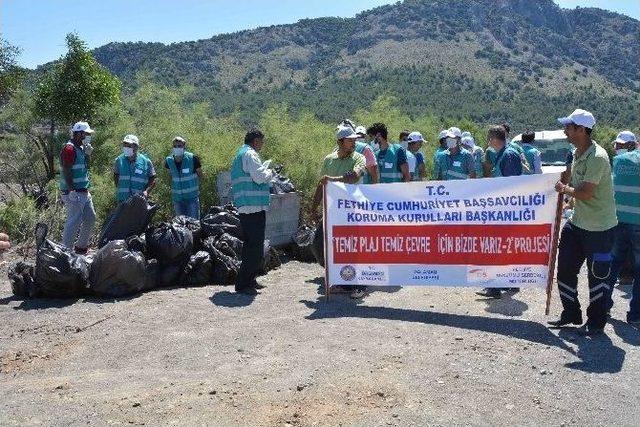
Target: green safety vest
{"x": 245, "y": 191}
{"x": 477, "y": 158}
{"x": 388, "y": 164}
{"x": 453, "y": 167}
{"x": 626, "y": 185}
{"x": 79, "y": 171}
{"x": 184, "y": 181}
{"x": 132, "y": 178}
{"x": 360, "y": 147}
{"x": 530, "y": 153}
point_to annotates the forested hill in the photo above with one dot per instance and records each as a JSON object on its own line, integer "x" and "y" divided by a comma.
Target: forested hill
{"x": 525, "y": 60}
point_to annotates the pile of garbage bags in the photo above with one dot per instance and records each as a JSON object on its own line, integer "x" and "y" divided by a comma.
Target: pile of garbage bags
{"x": 135, "y": 256}
{"x": 308, "y": 244}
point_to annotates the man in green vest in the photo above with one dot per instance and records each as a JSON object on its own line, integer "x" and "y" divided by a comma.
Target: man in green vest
{"x": 469, "y": 143}
{"x": 74, "y": 186}
{"x": 186, "y": 172}
{"x": 588, "y": 234}
{"x": 531, "y": 153}
{"x": 250, "y": 179}
{"x": 626, "y": 185}
{"x": 392, "y": 158}
{"x": 133, "y": 172}
{"x": 455, "y": 162}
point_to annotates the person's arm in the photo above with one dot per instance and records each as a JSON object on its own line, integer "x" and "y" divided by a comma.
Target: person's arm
{"x": 537, "y": 164}
{"x": 68, "y": 159}
{"x": 592, "y": 177}
{"x": 259, "y": 173}
{"x": 372, "y": 164}
{"x": 471, "y": 166}
{"x": 403, "y": 165}
{"x": 198, "y": 167}
{"x": 151, "y": 182}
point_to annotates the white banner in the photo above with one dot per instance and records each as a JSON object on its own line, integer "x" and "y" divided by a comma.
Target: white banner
{"x": 492, "y": 232}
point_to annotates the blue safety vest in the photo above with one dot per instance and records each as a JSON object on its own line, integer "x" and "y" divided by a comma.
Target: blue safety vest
{"x": 530, "y": 153}
{"x": 454, "y": 167}
{"x": 184, "y": 181}
{"x": 477, "y": 154}
{"x": 388, "y": 164}
{"x": 496, "y": 171}
{"x": 626, "y": 185}
{"x": 133, "y": 178}
{"x": 79, "y": 171}
{"x": 360, "y": 147}
{"x": 245, "y": 191}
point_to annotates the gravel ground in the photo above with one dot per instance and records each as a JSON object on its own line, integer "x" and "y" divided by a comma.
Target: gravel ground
{"x": 412, "y": 356}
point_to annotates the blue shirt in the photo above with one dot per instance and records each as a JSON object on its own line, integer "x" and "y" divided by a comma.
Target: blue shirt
{"x": 419, "y": 158}
{"x": 511, "y": 163}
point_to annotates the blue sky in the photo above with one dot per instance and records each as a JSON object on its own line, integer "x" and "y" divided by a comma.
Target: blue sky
{"x": 39, "y": 26}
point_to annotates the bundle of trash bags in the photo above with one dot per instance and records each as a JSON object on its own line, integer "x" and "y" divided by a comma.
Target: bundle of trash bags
{"x": 135, "y": 256}
{"x": 308, "y": 244}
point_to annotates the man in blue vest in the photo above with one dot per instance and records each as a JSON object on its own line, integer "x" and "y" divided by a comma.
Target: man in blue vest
{"x": 74, "y": 186}
{"x": 133, "y": 172}
{"x": 626, "y": 185}
{"x": 588, "y": 234}
{"x": 392, "y": 158}
{"x": 469, "y": 143}
{"x": 250, "y": 179}
{"x": 455, "y": 162}
{"x": 507, "y": 163}
{"x": 186, "y": 172}
{"x": 531, "y": 153}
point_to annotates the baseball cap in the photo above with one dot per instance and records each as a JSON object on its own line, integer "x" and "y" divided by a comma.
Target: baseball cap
{"x": 442, "y": 134}
{"x": 457, "y": 133}
{"x": 579, "y": 117}
{"x": 465, "y": 134}
{"x": 178, "y": 138}
{"x": 131, "y": 139}
{"x": 415, "y": 137}
{"x": 361, "y": 130}
{"x": 346, "y": 132}
{"x": 468, "y": 141}
{"x": 81, "y": 127}
{"x": 625, "y": 136}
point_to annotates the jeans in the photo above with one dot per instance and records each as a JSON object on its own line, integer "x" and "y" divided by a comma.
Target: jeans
{"x": 627, "y": 240}
{"x": 576, "y": 246}
{"x": 80, "y": 215}
{"x": 190, "y": 208}
{"x": 253, "y": 226}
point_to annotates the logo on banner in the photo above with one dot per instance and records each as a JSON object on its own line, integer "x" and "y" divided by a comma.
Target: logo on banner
{"x": 348, "y": 273}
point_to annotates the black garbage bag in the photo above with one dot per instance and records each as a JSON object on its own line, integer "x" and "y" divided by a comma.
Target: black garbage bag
{"x": 169, "y": 275}
{"x": 229, "y": 207}
{"x": 170, "y": 244}
{"x": 130, "y": 218}
{"x": 199, "y": 270}
{"x": 153, "y": 270}
{"x": 118, "y": 271}
{"x": 220, "y": 223}
{"x": 302, "y": 242}
{"x": 317, "y": 246}
{"x": 138, "y": 244}
{"x": 21, "y": 279}
{"x": 60, "y": 273}
{"x": 281, "y": 185}
{"x": 233, "y": 242}
{"x": 225, "y": 267}
{"x": 271, "y": 258}
{"x": 190, "y": 223}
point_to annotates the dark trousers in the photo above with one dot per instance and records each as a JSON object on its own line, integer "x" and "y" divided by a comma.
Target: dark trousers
{"x": 627, "y": 242}
{"x": 576, "y": 246}
{"x": 252, "y": 248}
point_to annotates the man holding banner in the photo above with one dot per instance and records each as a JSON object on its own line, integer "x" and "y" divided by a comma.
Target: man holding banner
{"x": 588, "y": 235}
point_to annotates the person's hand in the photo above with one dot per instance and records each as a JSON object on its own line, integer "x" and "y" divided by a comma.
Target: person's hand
{"x": 145, "y": 194}
{"x": 325, "y": 179}
{"x": 87, "y": 148}
{"x": 4, "y": 243}
{"x": 559, "y": 187}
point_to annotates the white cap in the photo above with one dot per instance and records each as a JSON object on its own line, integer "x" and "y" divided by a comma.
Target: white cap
{"x": 457, "y": 133}
{"x": 346, "y": 132}
{"x": 579, "y": 117}
{"x": 131, "y": 139}
{"x": 362, "y": 130}
{"x": 468, "y": 141}
{"x": 465, "y": 134}
{"x": 82, "y": 127}
{"x": 415, "y": 137}
{"x": 177, "y": 138}
{"x": 442, "y": 134}
{"x": 625, "y": 136}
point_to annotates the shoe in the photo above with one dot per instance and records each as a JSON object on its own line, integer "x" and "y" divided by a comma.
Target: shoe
{"x": 257, "y": 285}
{"x": 513, "y": 290}
{"x": 490, "y": 293}
{"x": 81, "y": 251}
{"x": 565, "y": 320}
{"x": 247, "y": 291}
{"x": 357, "y": 294}
{"x": 589, "y": 331}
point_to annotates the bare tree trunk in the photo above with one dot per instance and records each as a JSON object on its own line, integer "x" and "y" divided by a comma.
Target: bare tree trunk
{"x": 51, "y": 173}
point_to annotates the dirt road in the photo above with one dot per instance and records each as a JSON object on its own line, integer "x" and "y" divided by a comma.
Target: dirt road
{"x": 413, "y": 356}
